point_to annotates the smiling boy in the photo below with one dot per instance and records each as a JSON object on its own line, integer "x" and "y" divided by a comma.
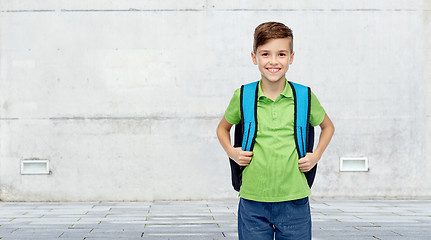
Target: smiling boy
{"x": 274, "y": 191}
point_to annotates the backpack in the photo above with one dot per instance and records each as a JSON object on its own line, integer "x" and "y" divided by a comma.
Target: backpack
{"x": 246, "y": 130}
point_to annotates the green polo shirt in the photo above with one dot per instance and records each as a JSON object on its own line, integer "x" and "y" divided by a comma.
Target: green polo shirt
{"x": 273, "y": 174}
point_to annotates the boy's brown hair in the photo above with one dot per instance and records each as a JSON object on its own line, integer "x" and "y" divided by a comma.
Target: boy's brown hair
{"x": 271, "y": 30}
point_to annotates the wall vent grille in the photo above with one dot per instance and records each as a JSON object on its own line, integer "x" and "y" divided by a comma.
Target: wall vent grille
{"x": 29, "y": 166}
{"x": 354, "y": 164}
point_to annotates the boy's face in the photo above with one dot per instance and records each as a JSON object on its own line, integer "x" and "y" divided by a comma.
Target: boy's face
{"x": 273, "y": 59}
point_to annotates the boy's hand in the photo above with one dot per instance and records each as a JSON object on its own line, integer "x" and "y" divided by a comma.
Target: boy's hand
{"x": 306, "y": 163}
{"x": 241, "y": 157}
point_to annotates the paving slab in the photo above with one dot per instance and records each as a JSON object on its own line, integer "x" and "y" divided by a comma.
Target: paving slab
{"x": 213, "y": 220}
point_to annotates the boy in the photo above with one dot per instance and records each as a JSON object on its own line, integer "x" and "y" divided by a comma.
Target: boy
{"x": 274, "y": 191}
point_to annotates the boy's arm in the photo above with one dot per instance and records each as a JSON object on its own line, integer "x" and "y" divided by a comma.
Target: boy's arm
{"x": 310, "y": 160}
{"x": 242, "y": 158}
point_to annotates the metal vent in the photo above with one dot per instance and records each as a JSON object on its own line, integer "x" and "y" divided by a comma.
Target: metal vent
{"x": 356, "y": 164}
{"x": 29, "y": 166}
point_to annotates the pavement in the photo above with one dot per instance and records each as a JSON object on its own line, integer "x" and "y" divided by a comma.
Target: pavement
{"x": 213, "y": 220}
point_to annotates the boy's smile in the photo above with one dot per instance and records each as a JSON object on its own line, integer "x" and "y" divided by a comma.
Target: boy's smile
{"x": 273, "y": 70}
{"x": 273, "y": 59}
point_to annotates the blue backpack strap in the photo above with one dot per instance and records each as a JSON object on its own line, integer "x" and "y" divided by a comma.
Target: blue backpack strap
{"x": 248, "y": 114}
{"x": 245, "y": 131}
{"x": 302, "y": 99}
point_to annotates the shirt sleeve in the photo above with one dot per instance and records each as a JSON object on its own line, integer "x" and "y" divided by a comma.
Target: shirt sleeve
{"x": 317, "y": 113}
{"x": 233, "y": 111}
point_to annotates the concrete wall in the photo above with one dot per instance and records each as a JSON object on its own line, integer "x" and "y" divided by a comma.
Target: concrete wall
{"x": 123, "y": 97}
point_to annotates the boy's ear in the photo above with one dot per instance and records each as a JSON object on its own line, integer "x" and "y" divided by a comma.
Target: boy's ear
{"x": 291, "y": 57}
{"x": 253, "y": 57}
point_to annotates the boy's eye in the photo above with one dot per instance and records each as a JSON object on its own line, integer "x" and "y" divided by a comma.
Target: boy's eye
{"x": 283, "y": 54}
{"x": 265, "y": 54}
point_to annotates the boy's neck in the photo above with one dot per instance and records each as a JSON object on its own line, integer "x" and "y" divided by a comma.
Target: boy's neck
{"x": 273, "y": 89}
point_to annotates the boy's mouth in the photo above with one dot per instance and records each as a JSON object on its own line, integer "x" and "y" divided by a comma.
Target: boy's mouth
{"x": 273, "y": 70}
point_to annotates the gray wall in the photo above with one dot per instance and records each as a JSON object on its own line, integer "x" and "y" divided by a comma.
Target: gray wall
{"x": 123, "y": 97}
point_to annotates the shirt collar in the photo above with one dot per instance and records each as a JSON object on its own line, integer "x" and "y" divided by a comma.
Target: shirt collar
{"x": 287, "y": 92}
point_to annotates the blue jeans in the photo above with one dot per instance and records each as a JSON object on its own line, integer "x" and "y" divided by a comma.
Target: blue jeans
{"x": 286, "y": 220}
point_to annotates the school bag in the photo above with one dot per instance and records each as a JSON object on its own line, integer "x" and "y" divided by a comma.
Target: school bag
{"x": 246, "y": 130}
